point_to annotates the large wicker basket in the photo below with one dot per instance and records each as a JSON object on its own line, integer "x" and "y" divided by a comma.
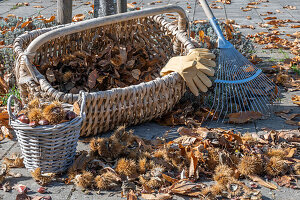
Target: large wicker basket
{"x": 51, "y": 147}
{"x": 107, "y": 109}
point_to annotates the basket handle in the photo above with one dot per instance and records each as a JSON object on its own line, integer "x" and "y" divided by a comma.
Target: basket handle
{"x": 93, "y": 23}
{"x": 82, "y": 95}
{"x": 9, "y": 102}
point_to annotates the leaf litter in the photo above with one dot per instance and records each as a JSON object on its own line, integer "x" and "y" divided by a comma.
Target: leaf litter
{"x": 162, "y": 168}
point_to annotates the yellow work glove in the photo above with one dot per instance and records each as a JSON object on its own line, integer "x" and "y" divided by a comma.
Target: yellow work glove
{"x": 203, "y": 56}
{"x": 193, "y": 68}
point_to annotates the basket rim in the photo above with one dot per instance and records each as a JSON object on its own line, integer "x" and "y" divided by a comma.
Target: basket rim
{"x": 17, "y": 124}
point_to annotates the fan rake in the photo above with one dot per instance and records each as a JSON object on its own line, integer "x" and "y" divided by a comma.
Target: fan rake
{"x": 239, "y": 85}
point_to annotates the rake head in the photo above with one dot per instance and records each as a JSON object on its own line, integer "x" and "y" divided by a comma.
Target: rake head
{"x": 241, "y": 87}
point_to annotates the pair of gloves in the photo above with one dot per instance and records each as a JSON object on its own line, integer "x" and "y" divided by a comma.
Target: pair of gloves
{"x": 193, "y": 68}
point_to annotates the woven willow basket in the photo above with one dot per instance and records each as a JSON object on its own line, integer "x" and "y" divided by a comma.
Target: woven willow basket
{"x": 120, "y": 106}
{"x": 51, "y": 147}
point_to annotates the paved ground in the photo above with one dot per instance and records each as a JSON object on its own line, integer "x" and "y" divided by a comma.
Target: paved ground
{"x": 152, "y": 130}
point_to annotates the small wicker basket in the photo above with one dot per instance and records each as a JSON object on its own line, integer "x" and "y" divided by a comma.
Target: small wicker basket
{"x": 51, "y": 147}
{"x": 106, "y": 110}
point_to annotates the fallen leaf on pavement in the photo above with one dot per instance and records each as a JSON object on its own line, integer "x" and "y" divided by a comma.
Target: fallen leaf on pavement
{"x": 290, "y": 7}
{"x": 131, "y": 195}
{"x": 296, "y": 99}
{"x": 14, "y": 161}
{"x": 169, "y": 178}
{"x": 160, "y": 196}
{"x": 23, "y": 197}
{"x": 38, "y": 6}
{"x": 6, "y": 132}
{"x": 262, "y": 182}
{"x": 283, "y": 181}
{"x": 185, "y": 187}
{"x": 243, "y": 117}
{"x": 291, "y": 153}
{"x": 78, "y": 17}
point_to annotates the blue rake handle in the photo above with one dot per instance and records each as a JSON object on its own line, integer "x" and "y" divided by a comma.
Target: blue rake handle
{"x": 222, "y": 43}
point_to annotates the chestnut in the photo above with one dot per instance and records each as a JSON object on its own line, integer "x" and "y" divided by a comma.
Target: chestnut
{"x": 43, "y": 122}
{"x": 42, "y": 190}
{"x": 33, "y": 123}
{"x": 70, "y": 115}
{"x": 23, "y": 118}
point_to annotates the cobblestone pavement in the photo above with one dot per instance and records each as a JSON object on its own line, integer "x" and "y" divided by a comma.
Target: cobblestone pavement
{"x": 151, "y": 130}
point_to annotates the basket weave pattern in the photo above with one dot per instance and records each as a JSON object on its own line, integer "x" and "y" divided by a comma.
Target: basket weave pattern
{"x": 107, "y": 109}
{"x": 51, "y": 148}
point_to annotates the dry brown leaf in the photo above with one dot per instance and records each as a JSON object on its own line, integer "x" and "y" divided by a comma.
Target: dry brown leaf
{"x": 246, "y": 9}
{"x": 159, "y": 196}
{"x": 292, "y": 122}
{"x": 48, "y": 20}
{"x": 79, "y": 163}
{"x": 295, "y": 26}
{"x": 262, "y": 182}
{"x": 101, "y": 78}
{"x": 296, "y": 35}
{"x": 92, "y": 79}
{"x": 169, "y": 178}
{"x": 78, "y": 17}
{"x": 6, "y": 132}
{"x": 207, "y": 41}
{"x": 16, "y": 162}
{"x": 1, "y": 136}
{"x": 25, "y": 24}
{"x": 76, "y": 108}
{"x": 283, "y": 181}
{"x": 23, "y": 196}
{"x": 3, "y": 86}
{"x": 247, "y": 26}
{"x": 228, "y": 32}
{"x": 38, "y": 6}
{"x": 131, "y": 195}
{"x": 201, "y": 35}
{"x": 11, "y": 15}
{"x": 243, "y": 117}
{"x": 254, "y": 59}
{"x": 290, "y": 7}
{"x": 136, "y": 74}
{"x": 130, "y": 5}
{"x": 226, "y": 1}
{"x": 296, "y": 99}
{"x": 193, "y": 34}
{"x": 249, "y": 17}
{"x": 185, "y": 187}
{"x": 42, "y": 179}
{"x": 4, "y": 119}
{"x": 216, "y": 7}
{"x": 193, "y": 165}
{"x": 291, "y": 153}
{"x": 187, "y": 131}
{"x": 50, "y": 75}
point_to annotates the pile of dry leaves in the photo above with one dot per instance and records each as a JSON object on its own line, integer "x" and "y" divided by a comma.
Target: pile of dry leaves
{"x": 159, "y": 169}
{"x": 118, "y": 65}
